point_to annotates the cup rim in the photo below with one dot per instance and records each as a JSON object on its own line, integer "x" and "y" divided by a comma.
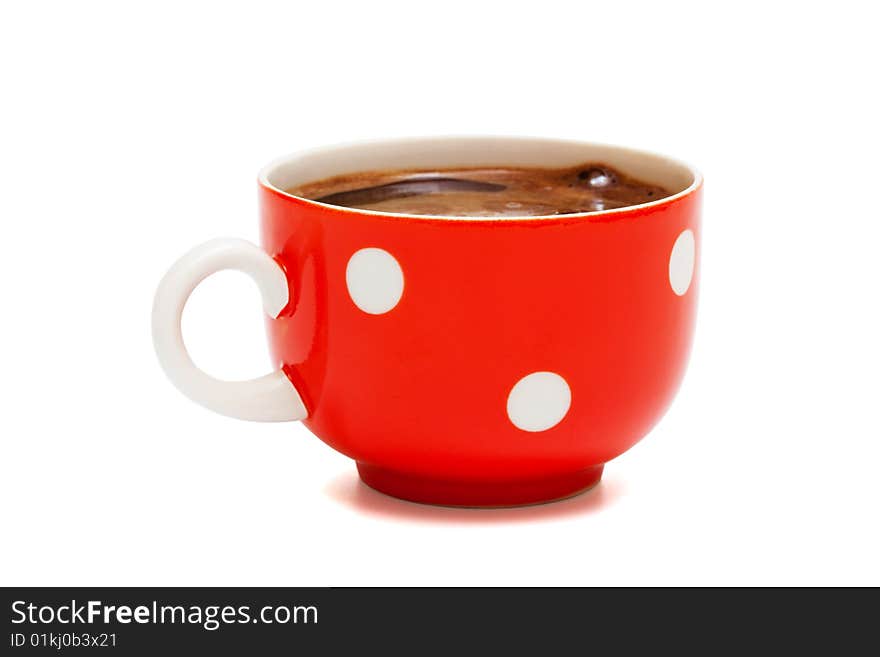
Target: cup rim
{"x": 596, "y": 215}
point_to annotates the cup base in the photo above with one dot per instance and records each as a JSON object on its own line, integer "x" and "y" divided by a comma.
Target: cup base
{"x": 480, "y": 494}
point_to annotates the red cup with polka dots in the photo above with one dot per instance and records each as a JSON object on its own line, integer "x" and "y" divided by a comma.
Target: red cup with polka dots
{"x": 460, "y": 361}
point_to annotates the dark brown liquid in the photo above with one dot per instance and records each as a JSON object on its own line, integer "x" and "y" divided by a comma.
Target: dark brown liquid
{"x": 485, "y": 192}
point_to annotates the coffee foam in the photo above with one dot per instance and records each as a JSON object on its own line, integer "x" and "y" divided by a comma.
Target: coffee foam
{"x": 485, "y": 192}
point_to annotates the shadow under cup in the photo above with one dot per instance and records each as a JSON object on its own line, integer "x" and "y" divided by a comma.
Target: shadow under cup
{"x": 475, "y": 361}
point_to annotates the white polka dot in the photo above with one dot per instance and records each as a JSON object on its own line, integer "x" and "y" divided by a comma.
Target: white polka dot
{"x": 538, "y": 401}
{"x": 375, "y": 280}
{"x": 681, "y": 262}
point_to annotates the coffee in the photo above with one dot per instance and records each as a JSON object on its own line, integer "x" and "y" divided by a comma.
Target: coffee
{"x": 485, "y": 192}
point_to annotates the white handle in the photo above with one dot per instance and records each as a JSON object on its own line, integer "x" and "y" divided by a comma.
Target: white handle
{"x": 270, "y": 398}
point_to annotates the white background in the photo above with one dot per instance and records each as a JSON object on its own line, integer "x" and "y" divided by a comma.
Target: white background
{"x": 131, "y": 132}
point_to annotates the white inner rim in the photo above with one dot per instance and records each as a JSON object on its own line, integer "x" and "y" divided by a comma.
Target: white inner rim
{"x": 450, "y": 152}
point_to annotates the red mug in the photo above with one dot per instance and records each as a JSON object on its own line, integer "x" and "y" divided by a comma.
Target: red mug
{"x": 460, "y": 361}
